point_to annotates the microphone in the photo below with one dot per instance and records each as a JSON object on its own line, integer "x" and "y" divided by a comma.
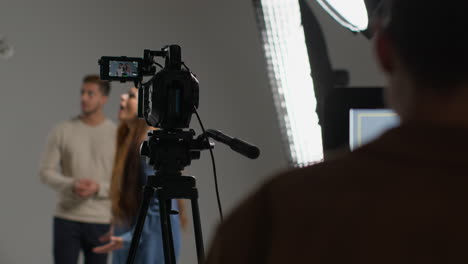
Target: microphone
{"x": 236, "y": 144}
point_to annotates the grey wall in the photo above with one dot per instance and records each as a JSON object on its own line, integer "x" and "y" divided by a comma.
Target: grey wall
{"x": 58, "y": 41}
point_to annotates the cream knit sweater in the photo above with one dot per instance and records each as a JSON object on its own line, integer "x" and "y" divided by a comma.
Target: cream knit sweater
{"x": 75, "y": 150}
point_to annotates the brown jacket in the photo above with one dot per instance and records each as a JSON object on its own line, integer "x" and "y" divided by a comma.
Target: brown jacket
{"x": 400, "y": 199}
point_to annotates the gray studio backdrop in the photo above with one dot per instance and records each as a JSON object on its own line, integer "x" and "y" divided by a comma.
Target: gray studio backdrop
{"x": 59, "y": 41}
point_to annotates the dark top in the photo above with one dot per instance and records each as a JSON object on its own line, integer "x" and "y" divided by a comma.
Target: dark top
{"x": 400, "y": 199}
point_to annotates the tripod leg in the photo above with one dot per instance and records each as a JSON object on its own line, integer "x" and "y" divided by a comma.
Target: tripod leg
{"x": 198, "y": 231}
{"x": 147, "y": 196}
{"x": 168, "y": 242}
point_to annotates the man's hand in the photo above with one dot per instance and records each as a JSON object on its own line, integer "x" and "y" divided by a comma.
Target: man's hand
{"x": 85, "y": 188}
{"x": 115, "y": 243}
{"x": 107, "y": 236}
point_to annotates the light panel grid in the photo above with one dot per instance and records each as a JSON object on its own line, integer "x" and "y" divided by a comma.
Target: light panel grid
{"x": 290, "y": 79}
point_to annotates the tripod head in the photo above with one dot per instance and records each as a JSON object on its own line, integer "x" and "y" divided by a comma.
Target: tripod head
{"x": 171, "y": 150}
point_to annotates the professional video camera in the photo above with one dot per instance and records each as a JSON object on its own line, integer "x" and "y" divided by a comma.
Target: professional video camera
{"x": 167, "y": 101}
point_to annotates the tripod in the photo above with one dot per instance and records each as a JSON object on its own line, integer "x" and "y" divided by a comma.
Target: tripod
{"x": 170, "y": 151}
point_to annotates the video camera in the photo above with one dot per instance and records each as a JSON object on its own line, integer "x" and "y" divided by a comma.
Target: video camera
{"x": 167, "y": 101}
{"x": 169, "y": 98}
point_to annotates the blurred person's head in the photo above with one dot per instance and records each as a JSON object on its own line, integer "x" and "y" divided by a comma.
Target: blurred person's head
{"x": 128, "y": 106}
{"x": 421, "y": 48}
{"x": 94, "y": 94}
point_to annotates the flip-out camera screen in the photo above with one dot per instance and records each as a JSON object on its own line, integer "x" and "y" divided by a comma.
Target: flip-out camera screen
{"x": 123, "y": 68}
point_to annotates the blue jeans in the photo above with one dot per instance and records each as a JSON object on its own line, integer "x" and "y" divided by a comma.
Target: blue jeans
{"x": 150, "y": 249}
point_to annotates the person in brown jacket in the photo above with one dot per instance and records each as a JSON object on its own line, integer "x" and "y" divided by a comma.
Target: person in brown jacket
{"x": 402, "y": 198}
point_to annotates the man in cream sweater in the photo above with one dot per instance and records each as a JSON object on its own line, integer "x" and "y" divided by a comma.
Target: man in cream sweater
{"x": 77, "y": 163}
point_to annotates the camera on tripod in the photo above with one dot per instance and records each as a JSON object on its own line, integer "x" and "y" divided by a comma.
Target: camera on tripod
{"x": 167, "y": 100}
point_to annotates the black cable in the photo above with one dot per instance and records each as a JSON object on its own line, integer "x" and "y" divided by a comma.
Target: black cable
{"x": 212, "y": 162}
{"x": 183, "y": 63}
{"x": 159, "y": 65}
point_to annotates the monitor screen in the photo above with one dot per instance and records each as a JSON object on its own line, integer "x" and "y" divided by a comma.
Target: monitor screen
{"x": 368, "y": 124}
{"x": 123, "y": 68}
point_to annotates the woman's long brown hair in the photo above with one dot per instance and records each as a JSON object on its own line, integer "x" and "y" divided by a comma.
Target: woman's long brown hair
{"x": 125, "y": 190}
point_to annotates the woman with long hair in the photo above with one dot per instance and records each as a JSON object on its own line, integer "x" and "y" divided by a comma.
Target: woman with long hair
{"x": 129, "y": 175}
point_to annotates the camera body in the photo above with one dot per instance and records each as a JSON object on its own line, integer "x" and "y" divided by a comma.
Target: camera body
{"x": 169, "y": 98}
